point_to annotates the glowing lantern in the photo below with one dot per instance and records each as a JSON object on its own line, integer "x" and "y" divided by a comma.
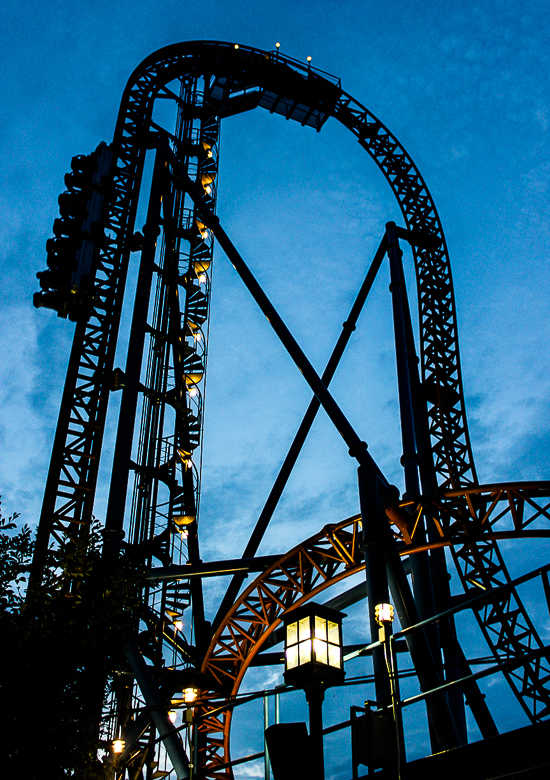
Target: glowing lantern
{"x": 313, "y": 646}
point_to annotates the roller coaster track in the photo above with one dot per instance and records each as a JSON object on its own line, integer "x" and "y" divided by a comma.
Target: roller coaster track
{"x": 510, "y": 511}
{"x": 236, "y": 79}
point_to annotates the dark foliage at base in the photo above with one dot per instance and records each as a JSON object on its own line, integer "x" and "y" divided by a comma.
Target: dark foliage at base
{"x": 61, "y": 649}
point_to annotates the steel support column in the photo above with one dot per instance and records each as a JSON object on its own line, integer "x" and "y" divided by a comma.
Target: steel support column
{"x": 374, "y": 544}
{"x": 420, "y": 564}
{"x": 123, "y": 447}
{"x": 438, "y": 707}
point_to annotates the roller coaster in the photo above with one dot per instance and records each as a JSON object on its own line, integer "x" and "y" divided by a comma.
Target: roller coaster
{"x": 170, "y": 713}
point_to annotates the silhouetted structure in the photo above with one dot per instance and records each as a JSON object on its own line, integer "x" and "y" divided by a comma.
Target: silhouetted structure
{"x": 193, "y": 667}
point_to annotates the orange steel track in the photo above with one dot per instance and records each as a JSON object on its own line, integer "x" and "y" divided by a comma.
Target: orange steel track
{"x": 518, "y": 509}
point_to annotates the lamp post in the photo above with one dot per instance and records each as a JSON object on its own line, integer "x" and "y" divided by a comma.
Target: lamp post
{"x": 191, "y": 683}
{"x": 384, "y": 617}
{"x": 383, "y": 614}
{"x": 118, "y": 746}
{"x": 314, "y": 662}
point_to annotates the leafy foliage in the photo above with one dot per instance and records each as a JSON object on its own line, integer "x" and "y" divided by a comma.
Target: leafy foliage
{"x": 15, "y": 557}
{"x": 62, "y": 649}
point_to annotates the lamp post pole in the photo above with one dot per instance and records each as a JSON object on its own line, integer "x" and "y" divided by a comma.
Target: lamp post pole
{"x": 313, "y": 662}
{"x": 315, "y": 695}
{"x": 396, "y": 704}
{"x": 384, "y": 617}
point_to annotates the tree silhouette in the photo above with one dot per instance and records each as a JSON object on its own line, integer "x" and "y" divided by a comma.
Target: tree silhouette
{"x": 62, "y": 648}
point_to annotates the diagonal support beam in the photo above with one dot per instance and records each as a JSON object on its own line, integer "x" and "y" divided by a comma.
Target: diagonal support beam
{"x": 159, "y": 712}
{"x": 357, "y": 448}
{"x": 305, "y": 426}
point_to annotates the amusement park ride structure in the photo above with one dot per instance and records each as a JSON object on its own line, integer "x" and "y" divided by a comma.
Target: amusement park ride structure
{"x": 403, "y": 543}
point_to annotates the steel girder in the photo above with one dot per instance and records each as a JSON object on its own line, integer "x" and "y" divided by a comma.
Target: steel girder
{"x": 335, "y": 553}
{"x": 470, "y": 522}
{"x": 70, "y": 487}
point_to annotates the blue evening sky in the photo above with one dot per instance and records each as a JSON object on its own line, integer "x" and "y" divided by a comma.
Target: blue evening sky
{"x": 463, "y": 86}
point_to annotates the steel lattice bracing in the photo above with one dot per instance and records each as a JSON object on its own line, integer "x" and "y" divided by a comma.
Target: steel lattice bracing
{"x": 206, "y": 81}
{"x": 506, "y": 625}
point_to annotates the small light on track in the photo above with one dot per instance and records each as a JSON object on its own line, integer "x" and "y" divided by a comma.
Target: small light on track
{"x": 190, "y": 695}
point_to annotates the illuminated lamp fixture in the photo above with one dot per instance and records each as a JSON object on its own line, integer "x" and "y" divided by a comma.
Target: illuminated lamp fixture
{"x": 309, "y": 60}
{"x": 383, "y": 614}
{"x": 201, "y": 266}
{"x": 277, "y": 45}
{"x": 190, "y": 695}
{"x": 178, "y": 625}
{"x": 236, "y": 46}
{"x": 313, "y": 646}
{"x": 119, "y": 745}
{"x": 202, "y": 278}
{"x": 183, "y": 520}
{"x": 193, "y": 392}
{"x": 172, "y": 715}
{"x": 209, "y": 153}
{"x": 313, "y": 661}
{"x": 207, "y": 178}
{"x": 190, "y": 682}
{"x": 193, "y": 378}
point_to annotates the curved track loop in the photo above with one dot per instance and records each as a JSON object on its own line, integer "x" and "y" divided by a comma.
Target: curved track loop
{"x": 70, "y": 492}
{"x": 334, "y": 554}
{"x": 245, "y": 66}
